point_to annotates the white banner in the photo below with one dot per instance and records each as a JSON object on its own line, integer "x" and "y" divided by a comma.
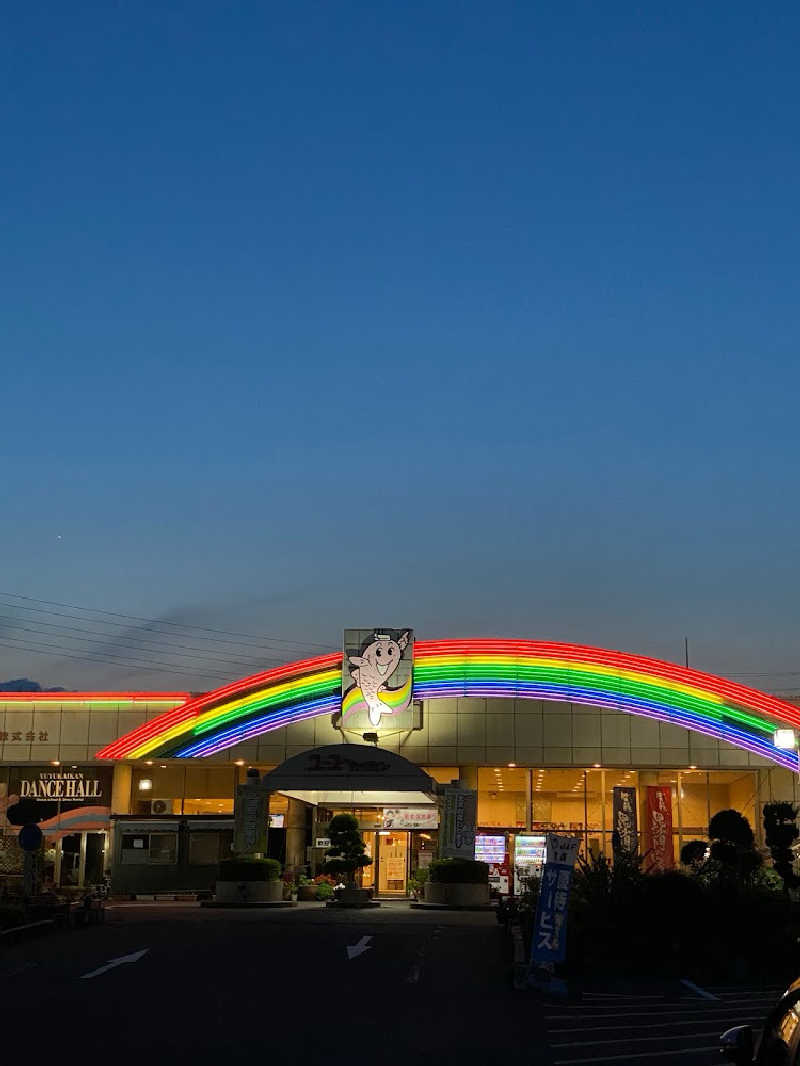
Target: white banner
{"x": 458, "y": 831}
{"x": 411, "y": 817}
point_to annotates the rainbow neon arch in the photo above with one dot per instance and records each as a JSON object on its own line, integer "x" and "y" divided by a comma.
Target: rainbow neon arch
{"x": 513, "y": 669}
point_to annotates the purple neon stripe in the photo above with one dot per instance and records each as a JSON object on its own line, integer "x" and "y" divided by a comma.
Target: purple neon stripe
{"x": 628, "y": 703}
{"x": 255, "y": 727}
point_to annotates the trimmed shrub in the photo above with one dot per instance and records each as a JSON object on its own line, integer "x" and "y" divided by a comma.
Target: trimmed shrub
{"x": 459, "y": 872}
{"x": 324, "y": 891}
{"x": 346, "y": 853}
{"x": 249, "y": 870}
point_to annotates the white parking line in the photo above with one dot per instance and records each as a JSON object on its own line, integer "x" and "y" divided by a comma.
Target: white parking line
{"x": 714, "y": 1022}
{"x": 641, "y": 1055}
{"x": 633, "y": 1040}
{"x": 711, "y": 1011}
{"x": 618, "y": 995}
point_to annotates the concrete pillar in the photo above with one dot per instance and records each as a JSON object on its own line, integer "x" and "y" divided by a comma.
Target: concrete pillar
{"x": 121, "y": 786}
{"x": 121, "y": 789}
{"x": 296, "y": 832}
{"x": 468, "y": 777}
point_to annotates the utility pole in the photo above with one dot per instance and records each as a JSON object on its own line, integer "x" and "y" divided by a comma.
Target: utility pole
{"x": 686, "y": 652}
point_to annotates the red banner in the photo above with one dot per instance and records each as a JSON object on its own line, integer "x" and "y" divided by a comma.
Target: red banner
{"x": 659, "y": 827}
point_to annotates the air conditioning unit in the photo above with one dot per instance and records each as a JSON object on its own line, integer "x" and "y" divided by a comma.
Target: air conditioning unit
{"x": 161, "y": 806}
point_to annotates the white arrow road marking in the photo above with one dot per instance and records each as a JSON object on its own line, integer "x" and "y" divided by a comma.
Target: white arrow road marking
{"x": 354, "y": 950}
{"x": 115, "y": 962}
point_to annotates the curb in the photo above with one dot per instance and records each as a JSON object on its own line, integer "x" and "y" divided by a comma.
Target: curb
{"x": 248, "y": 905}
{"x": 450, "y": 907}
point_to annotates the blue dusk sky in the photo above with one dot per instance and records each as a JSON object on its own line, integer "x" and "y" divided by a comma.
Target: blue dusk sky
{"x": 479, "y": 318}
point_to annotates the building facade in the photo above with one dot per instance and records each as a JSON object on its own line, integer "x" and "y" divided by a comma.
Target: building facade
{"x": 142, "y": 784}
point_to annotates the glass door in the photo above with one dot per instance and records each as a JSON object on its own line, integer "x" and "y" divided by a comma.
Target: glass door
{"x": 94, "y": 863}
{"x": 368, "y": 872}
{"x": 392, "y": 864}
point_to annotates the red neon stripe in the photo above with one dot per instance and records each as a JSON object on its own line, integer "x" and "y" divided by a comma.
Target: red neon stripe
{"x": 193, "y": 707}
{"x": 78, "y": 696}
{"x": 622, "y": 660}
{"x": 584, "y": 653}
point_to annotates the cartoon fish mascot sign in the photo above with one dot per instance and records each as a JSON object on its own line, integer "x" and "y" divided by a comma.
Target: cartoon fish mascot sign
{"x": 371, "y": 672}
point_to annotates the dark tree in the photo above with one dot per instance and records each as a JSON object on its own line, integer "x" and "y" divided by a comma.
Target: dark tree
{"x": 694, "y": 853}
{"x": 780, "y": 832}
{"x": 733, "y": 844}
{"x": 346, "y": 853}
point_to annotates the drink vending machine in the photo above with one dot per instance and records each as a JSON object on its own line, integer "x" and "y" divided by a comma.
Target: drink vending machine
{"x": 529, "y": 857}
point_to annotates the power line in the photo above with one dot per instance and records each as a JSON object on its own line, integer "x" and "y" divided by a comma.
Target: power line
{"x": 164, "y": 622}
{"x": 109, "y": 662}
{"x": 141, "y": 645}
{"x": 136, "y": 664}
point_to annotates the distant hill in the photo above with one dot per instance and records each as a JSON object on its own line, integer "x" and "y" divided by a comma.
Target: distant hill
{"x": 24, "y": 684}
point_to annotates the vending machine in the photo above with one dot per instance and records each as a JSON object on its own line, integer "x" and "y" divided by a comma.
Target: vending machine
{"x": 529, "y": 857}
{"x": 494, "y": 851}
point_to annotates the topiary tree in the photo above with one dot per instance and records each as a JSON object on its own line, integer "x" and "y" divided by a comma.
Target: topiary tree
{"x": 346, "y": 855}
{"x": 733, "y": 844}
{"x": 693, "y": 854}
{"x": 780, "y": 832}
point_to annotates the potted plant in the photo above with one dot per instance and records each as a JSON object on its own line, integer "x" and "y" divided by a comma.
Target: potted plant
{"x": 346, "y": 856}
{"x": 458, "y": 883}
{"x": 416, "y": 883}
{"x": 247, "y": 880}
{"x": 306, "y": 889}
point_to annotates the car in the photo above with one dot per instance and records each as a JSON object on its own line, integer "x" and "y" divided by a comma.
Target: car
{"x": 779, "y": 1042}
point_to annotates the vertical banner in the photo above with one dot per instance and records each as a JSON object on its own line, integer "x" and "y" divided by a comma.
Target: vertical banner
{"x": 550, "y": 926}
{"x": 377, "y": 678}
{"x": 458, "y": 825}
{"x": 625, "y": 831}
{"x": 659, "y": 827}
{"x": 250, "y": 820}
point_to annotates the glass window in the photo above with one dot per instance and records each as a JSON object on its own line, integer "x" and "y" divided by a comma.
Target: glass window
{"x": 732, "y": 789}
{"x": 502, "y": 794}
{"x": 210, "y": 781}
{"x": 140, "y": 848}
{"x": 694, "y": 804}
{"x": 135, "y": 848}
{"x": 212, "y": 805}
{"x": 163, "y": 847}
{"x": 558, "y": 800}
{"x": 424, "y": 843}
{"x": 204, "y": 848}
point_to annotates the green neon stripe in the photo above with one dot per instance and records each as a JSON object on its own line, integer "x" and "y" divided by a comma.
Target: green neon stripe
{"x": 297, "y": 695}
{"x": 601, "y": 682}
{"x": 489, "y": 672}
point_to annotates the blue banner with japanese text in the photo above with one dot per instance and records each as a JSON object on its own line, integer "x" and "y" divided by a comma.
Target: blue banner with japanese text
{"x": 550, "y": 927}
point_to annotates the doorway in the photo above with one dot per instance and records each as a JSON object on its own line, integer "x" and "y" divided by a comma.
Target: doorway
{"x": 392, "y": 864}
{"x": 79, "y": 859}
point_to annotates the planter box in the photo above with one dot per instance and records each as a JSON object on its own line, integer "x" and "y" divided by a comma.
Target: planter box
{"x": 306, "y": 892}
{"x": 249, "y": 891}
{"x": 352, "y": 897}
{"x": 456, "y": 895}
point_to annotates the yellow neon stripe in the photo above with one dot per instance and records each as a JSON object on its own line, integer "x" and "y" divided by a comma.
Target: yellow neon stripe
{"x": 571, "y": 664}
{"x": 225, "y": 708}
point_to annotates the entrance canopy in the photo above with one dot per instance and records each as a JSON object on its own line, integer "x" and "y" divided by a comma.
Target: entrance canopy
{"x": 352, "y": 775}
